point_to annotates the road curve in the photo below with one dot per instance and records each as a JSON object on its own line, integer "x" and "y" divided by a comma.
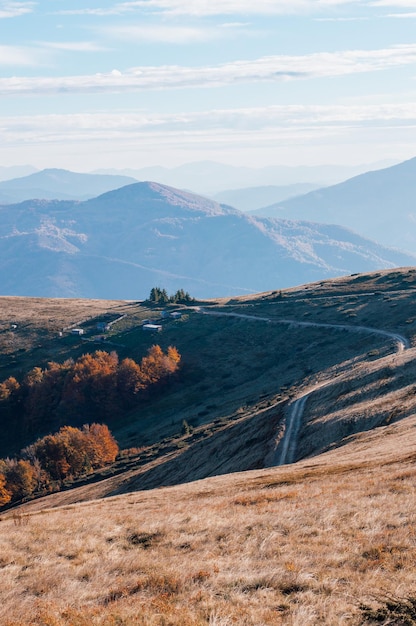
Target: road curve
{"x": 401, "y": 341}
{"x": 286, "y": 451}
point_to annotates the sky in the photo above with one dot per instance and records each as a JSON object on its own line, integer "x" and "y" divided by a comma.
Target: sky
{"x": 97, "y": 84}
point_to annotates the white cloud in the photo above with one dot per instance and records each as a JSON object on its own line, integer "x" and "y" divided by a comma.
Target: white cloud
{"x": 163, "y": 34}
{"x": 235, "y": 25}
{"x": 343, "y": 19}
{"x": 394, "y": 3}
{"x": 71, "y": 46}
{"x": 238, "y": 7}
{"x": 19, "y": 56}
{"x": 270, "y": 69}
{"x": 15, "y": 9}
{"x": 202, "y": 8}
{"x": 292, "y": 119}
{"x": 288, "y": 134}
{"x": 402, "y": 15}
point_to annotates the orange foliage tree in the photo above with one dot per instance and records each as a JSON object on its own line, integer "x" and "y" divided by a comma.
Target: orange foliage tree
{"x": 20, "y": 477}
{"x": 95, "y": 386}
{"x": 101, "y": 445}
{"x": 8, "y": 388}
{"x": 5, "y": 495}
{"x": 72, "y": 452}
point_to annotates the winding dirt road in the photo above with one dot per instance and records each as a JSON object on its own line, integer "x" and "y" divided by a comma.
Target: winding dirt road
{"x": 286, "y": 450}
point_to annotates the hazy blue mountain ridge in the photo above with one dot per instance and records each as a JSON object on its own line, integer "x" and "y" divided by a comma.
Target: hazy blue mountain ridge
{"x": 380, "y": 205}
{"x": 122, "y": 243}
{"x": 210, "y": 178}
{"x": 58, "y": 184}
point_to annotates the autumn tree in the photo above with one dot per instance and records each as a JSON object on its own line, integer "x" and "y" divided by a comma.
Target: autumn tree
{"x": 42, "y": 392}
{"x": 102, "y": 448}
{"x": 73, "y": 451}
{"x": 5, "y": 495}
{"x": 130, "y": 381}
{"x": 20, "y": 479}
{"x": 95, "y": 387}
{"x": 90, "y": 387}
{"x": 8, "y": 388}
{"x": 50, "y": 451}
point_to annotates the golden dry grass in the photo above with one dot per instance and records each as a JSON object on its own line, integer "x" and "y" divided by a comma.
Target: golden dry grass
{"x": 300, "y": 545}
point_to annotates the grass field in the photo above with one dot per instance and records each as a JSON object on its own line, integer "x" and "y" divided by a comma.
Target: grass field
{"x": 302, "y": 545}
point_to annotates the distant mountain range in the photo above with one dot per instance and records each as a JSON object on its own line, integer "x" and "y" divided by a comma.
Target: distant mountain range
{"x": 15, "y": 171}
{"x": 122, "y": 243}
{"x": 380, "y": 205}
{"x": 56, "y": 184}
{"x": 209, "y": 177}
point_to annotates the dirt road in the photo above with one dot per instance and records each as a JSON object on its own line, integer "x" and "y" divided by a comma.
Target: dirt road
{"x": 286, "y": 450}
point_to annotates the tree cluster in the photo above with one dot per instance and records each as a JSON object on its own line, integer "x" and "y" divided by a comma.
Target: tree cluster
{"x": 96, "y": 385}
{"x": 160, "y": 296}
{"x": 71, "y": 452}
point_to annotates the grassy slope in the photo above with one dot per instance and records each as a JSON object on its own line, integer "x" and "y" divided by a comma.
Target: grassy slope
{"x": 233, "y": 369}
{"x": 304, "y": 544}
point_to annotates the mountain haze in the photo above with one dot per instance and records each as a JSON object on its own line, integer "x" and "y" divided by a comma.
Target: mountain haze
{"x": 211, "y": 177}
{"x": 16, "y": 171}
{"x": 251, "y": 198}
{"x": 380, "y": 205}
{"x": 58, "y": 184}
{"x": 125, "y": 241}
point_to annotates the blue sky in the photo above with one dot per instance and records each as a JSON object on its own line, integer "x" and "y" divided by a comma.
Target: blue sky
{"x": 87, "y": 85}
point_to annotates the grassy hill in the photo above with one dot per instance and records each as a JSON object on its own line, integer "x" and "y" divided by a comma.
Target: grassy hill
{"x": 327, "y": 540}
{"x": 232, "y": 367}
{"x": 306, "y": 544}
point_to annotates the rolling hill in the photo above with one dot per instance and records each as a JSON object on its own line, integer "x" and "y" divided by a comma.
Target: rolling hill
{"x": 124, "y": 242}
{"x": 327, "y": 540}
{"x": 379, "y": 205}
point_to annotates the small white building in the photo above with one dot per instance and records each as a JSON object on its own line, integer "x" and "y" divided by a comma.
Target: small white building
{"x": 154, "y": 328}
{"x": 176, "y": 315}
{"x": 77, "y": 331}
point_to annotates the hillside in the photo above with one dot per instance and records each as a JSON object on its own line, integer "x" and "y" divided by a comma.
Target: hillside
{"x": 305, "y": 545}
{"x": 379, "y": 205}
{"x": 326, "y": 540}
{"x": 255, "y": 353}
{"x": 122, "y": 243}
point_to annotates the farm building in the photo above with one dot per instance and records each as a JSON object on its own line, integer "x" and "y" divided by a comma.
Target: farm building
{"x": 155, "y": 328}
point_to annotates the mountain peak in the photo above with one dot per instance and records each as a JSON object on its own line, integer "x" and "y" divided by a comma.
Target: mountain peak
{"x": 163, "y": 198}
